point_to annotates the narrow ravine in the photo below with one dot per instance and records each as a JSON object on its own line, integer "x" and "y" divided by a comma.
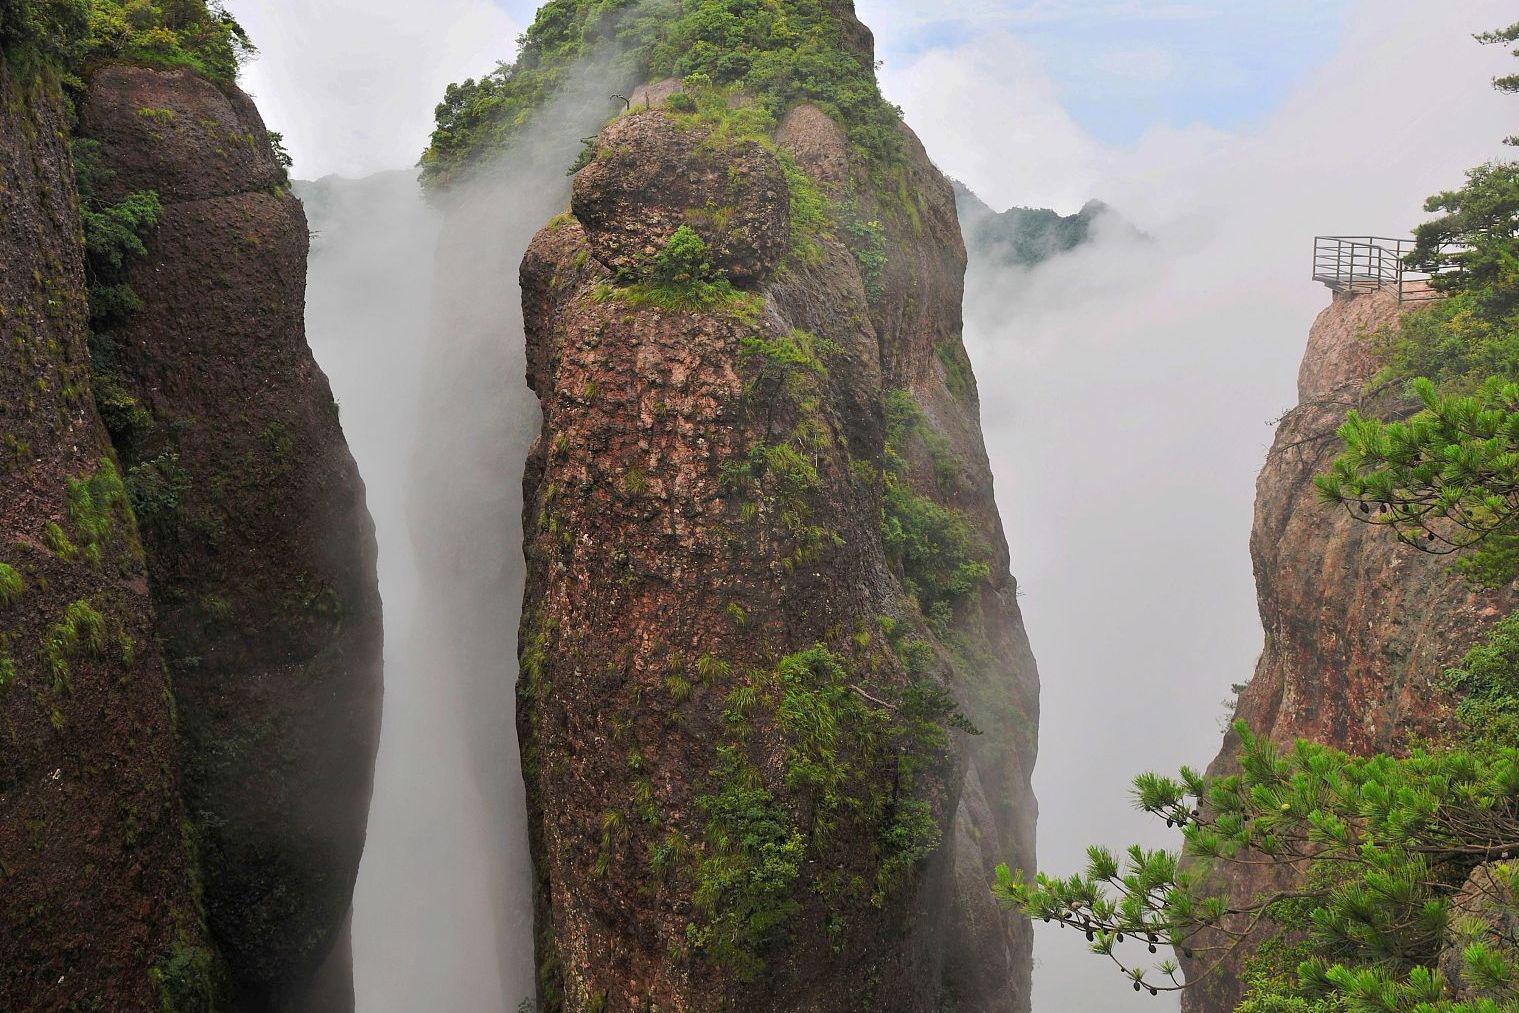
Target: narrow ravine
{"x": 415, "y": 312}
{"x": 426, "y": 910}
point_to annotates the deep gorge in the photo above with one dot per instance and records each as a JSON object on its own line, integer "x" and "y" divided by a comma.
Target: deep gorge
{"x": 688, "y": 427}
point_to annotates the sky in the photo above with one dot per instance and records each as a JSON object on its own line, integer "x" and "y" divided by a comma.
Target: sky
{"x": 1073, "y": 81}
{"x": 1127, "y": 388}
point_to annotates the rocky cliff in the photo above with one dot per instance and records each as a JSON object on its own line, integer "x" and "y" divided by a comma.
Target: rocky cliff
{"x": 98, "y": 879}
{"x": 768, "y": 597}
{"x": 189, "y": 619}
{"x": 1359, "y": 629}
{"x": 260, "y": 550}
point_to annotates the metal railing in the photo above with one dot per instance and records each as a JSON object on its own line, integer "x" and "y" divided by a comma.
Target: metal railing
{"x": 1351, "y": 265}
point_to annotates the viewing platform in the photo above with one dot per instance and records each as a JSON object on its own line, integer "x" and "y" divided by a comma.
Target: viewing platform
{"x": 1355, "y": 265}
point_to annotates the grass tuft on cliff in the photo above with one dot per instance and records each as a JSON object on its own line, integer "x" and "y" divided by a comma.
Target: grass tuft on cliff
{"x": 781, "y": 52}
{"x": 681, "y": 277}
{"x": 12, "y": 586}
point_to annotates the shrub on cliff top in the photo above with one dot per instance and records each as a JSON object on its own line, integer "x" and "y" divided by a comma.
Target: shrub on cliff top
{"x": 680, "y": 276}
{"x": 196, "y": 34}
{"x": 72, "y": 34}
{"x": 1473, "y": 333}
{"x": 779, "y": 51}
{"x": 684, "y": 261}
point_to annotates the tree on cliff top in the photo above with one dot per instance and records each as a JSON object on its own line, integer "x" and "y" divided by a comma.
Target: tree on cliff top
{"x": 73, "y": 35}
{"x": 780, "y": 52}
{"x": 1447, "y": 479}
{"x": 196, "y": 34}
{"x": 48, "y": 29}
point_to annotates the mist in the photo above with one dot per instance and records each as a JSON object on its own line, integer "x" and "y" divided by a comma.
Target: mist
{"x": 1127, "y": 393}
{"x": 416, "y": 314}
{"x": 422, "y": 923}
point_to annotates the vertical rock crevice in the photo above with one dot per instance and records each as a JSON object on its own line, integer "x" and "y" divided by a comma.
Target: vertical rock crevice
{"x": 260, "y": 550}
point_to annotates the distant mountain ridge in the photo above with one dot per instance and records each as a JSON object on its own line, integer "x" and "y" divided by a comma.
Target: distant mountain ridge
{"x": 1025, "y": 237}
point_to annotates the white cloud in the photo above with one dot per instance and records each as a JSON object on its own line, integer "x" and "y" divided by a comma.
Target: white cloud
{"x": 352, "y": 83}
{"x": 990, "y": 115}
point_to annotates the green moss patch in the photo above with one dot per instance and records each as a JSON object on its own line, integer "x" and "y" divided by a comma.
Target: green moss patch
{"x": 850, "y": 767}
{"x": 935, "y": 546}
{"x": 12, "y": 586}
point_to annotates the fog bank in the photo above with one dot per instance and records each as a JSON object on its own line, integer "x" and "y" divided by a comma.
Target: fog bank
{"x": 416, "y": 313}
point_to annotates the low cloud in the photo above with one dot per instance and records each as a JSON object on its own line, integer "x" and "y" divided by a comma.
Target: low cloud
{"x": 352, "y": 85}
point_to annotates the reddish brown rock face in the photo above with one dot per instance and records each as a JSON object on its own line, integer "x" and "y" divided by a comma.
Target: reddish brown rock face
{"x": 734, "y": 197}
{"x": 263, "y": 565}
{"x": 1359, "y": 629}
{"x": 96, "y": 869}
{"x": 678, "y": 565}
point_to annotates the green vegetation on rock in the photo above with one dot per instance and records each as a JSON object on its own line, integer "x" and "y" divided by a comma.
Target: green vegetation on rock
{"x": 72, "y": 36}
{"x": 41, "y": 31}
{"x": 1388, "y": 842}
{"x": 780, "y": 52}
{"x": 935, "y": 545}
{"x": 12, "y": 586}
{"x": 1461, "y": 341}
{"x": 681, "y": 277}
{"x": 745, "y": 879}
{"x": 779, "y": 474}
{"x": 196, "y": 35}
{"x": 1488, "y": 683}
{"x": 189, "y": 979}
{"x": 849, "y": 769}
{"x": 81, "y": 631}
{"x": 114, "y": 233}
{"x": 100, "y": 513}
